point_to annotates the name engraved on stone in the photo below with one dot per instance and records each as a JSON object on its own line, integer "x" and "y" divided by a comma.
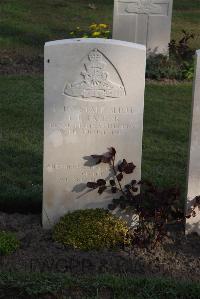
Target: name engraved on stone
{"x": 94, "y": 81}
{"x": 144, "y": 7}
{"x": 94, "y": 120}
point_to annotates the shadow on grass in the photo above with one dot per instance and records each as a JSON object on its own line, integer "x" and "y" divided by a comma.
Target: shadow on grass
{"x": 27, "y": 38}
{"x": 21, "y": 181}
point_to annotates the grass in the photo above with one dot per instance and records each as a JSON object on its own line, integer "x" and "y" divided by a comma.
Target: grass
{"x": 26, "y": 25}
{"x": 166, "y": 128}
{"x": 62, "y": 286}
{"x": 21, "y": 123}
{"x": 166, "y": 133}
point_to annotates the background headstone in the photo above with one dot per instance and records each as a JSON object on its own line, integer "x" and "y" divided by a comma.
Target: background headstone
{"x": 94, "y": 98}
{"x": 193, "y": 224}
{"x": 147, "y": 22}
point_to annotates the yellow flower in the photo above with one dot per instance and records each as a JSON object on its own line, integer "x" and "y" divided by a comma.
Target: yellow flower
{"x": 103, "y": 26}
{"x": 85, "y": 36}
{"x": 96, "y": 33}
{"x": 93, "y": 26}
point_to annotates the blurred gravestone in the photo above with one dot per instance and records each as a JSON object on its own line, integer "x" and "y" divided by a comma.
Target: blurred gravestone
{"x": 146, "y": 22}
{"x": 193, "y": 224}
{"x": 94, "y": 98}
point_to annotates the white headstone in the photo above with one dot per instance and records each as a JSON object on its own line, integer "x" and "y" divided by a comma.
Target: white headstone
{"x": 94, "y": 97}
{"x": 193, "y": 224}
{"x": 147, "y": 22}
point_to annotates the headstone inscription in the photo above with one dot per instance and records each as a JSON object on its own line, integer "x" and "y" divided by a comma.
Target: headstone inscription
{"x": 146, "y": 22}
{"x": 94, "y": 98}
{"x": 193, "y": 223}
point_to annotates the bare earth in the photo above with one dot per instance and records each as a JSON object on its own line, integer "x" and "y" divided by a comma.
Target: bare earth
{"x": 178, "y": 258}
{"x": 20, "y": 65}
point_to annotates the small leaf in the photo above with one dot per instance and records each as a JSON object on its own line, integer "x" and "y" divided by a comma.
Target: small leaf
{"x": 122, "y": 165}
{"x": 102, "y": 189}
{"x": 119, "y": 177}
{"x": 112, "y": 151}
{"x": 102, "y": 158}
{"x": 114, "y": 190}
{"x": 101, "y": 182}
{"x": 128, "y": 187}
{"x": 92, "y": 185}
{"x": 193, "y": 214}
{"x": 197, "y": 200}
{"x": 106, "y": 159}
{"x": 112, "y": 183}
{"x": 129, "y": 168}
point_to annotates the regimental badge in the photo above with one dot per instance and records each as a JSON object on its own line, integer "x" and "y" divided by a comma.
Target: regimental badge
{"x": 149, "y": 7}
{"x": 95, "y": 81}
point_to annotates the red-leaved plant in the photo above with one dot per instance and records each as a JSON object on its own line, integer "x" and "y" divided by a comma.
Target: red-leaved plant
{"x": 156, "y": 208}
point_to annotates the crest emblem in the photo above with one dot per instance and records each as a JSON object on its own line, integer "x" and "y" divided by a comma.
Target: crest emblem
{"x": 95, "y": 80}
{"x": 144, "y": 6}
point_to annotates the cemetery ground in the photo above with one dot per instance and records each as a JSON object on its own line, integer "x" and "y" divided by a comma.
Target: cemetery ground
{"x": 121, "y": 273}
{"x": 166, "y": 134}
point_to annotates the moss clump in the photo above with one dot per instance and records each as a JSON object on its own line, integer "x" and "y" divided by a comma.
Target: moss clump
{"x": 8, "y": 243}
{"x": 91, "y": 229}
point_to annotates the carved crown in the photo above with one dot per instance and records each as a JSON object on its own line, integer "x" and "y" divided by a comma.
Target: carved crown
{"x": 95, "y": 55}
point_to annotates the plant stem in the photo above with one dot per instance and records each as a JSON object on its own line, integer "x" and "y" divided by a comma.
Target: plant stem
{"x": 115, "y": 173}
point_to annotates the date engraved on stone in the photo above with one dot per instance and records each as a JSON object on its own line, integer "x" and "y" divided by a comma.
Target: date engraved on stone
{"x": 149, "y": 7}
{"x": 95, "y": 81}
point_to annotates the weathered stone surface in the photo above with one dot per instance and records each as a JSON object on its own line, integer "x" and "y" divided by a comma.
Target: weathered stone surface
{"x": 94, "y": 97}
{"x": 193, "y": 224}
{"x": 146, "y": 22}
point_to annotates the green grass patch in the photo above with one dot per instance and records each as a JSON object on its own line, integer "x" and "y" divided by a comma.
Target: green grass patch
{"x": 8, "y": 243}
{"x": 63, "y": 286}
{"x": 166, "y": 133}
{"x": 165, "y": 144}
{"x": 29, "y": 24}
{"x": 21, "y": 136}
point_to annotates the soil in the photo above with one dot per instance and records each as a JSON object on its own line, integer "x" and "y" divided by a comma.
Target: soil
{"x": 16, "y": 64}
{"x": 178, "y": 256}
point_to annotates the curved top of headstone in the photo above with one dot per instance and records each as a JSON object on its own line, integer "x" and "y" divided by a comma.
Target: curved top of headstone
{"x": 96, "y": 41}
